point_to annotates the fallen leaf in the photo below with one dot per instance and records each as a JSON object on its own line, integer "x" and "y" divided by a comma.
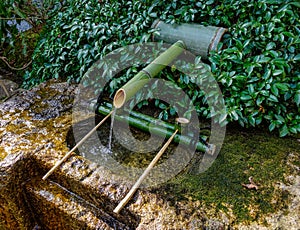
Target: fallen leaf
{"x": 252, "y": 185}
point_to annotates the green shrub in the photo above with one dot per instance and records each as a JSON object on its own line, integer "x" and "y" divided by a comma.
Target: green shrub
{"x": 17, "y": 46}
{"x": 256, "y": 64}
{"x": 84, "y": 31}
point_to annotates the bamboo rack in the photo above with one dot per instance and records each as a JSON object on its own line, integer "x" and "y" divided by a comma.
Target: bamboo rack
{"x": 164, "y": 130}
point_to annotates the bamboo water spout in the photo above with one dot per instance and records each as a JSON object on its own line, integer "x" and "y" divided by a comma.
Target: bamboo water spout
{"x": 150, "y": 71}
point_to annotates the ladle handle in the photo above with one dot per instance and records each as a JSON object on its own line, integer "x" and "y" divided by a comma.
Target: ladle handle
{"x": 75, "y": 147}
{"x": 145, "y": 173}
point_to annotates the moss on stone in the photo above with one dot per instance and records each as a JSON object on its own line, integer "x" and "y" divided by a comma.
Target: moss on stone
{"x": 246, "y": 153}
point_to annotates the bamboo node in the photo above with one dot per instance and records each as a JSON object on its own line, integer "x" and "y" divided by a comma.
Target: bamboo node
{"x": 182, "y": 120}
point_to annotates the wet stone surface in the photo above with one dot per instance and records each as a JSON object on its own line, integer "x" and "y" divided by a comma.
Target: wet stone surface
{"x": 33, "y": 129}
{"x": 32, "y": 119}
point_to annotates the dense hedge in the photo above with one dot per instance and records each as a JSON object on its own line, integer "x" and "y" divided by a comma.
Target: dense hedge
{"x": 17, "y": 46}
{"x": 257, "y": 64}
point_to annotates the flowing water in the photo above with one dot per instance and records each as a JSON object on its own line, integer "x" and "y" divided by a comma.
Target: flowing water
{"x": 111, "y": 128}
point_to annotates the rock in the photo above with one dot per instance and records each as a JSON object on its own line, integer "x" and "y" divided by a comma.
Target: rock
{"x": 33, "y": 129}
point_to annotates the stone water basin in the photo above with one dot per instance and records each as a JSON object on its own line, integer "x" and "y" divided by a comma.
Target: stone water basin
{"x": 34, "y": 127}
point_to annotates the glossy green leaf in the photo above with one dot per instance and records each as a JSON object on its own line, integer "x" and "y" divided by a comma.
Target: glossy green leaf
{"x": 264, "y": 59}
{"x": 273, "y": 98}
{"x": 277, "y": 72}
{"x": 251, "y": 120}
{"x": 297, "y": 4}
{"x": 234, "y": 115}
{"x": 270, "y": 45}
{"x": 283, "y": 131}
{"x": 297, "y": 98}
{"x": 282, "y": 86}
{"x": 246, "y": 97}
{"x": 297, "y": 57}
{"x": 274, "y": 90}
{"x": 272, "y": 126}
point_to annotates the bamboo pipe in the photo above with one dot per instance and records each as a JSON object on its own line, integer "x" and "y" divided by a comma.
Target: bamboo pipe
{"x": 150, "y": 71}
{"x": 143, "y": 176}
{"x": 159, "y": 130}
{"x": 143, "y": 117}
{"x": 199, "y": 39}
{"x": 160, "y": 123}
{"x": 76, "y": 146}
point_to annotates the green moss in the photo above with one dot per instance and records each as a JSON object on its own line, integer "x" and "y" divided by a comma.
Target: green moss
{"x": 244, "y": 154}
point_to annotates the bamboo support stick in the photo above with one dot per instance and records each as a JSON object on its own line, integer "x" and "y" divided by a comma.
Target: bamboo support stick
{"x": 143, "y": 176}
{"x": 76, "y": 146}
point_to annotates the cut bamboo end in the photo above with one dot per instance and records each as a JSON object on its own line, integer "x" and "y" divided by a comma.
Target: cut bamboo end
{"x": 211, "y": 149}
{"x": 182, "y": 120}
{"x": 119, "y": 98}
